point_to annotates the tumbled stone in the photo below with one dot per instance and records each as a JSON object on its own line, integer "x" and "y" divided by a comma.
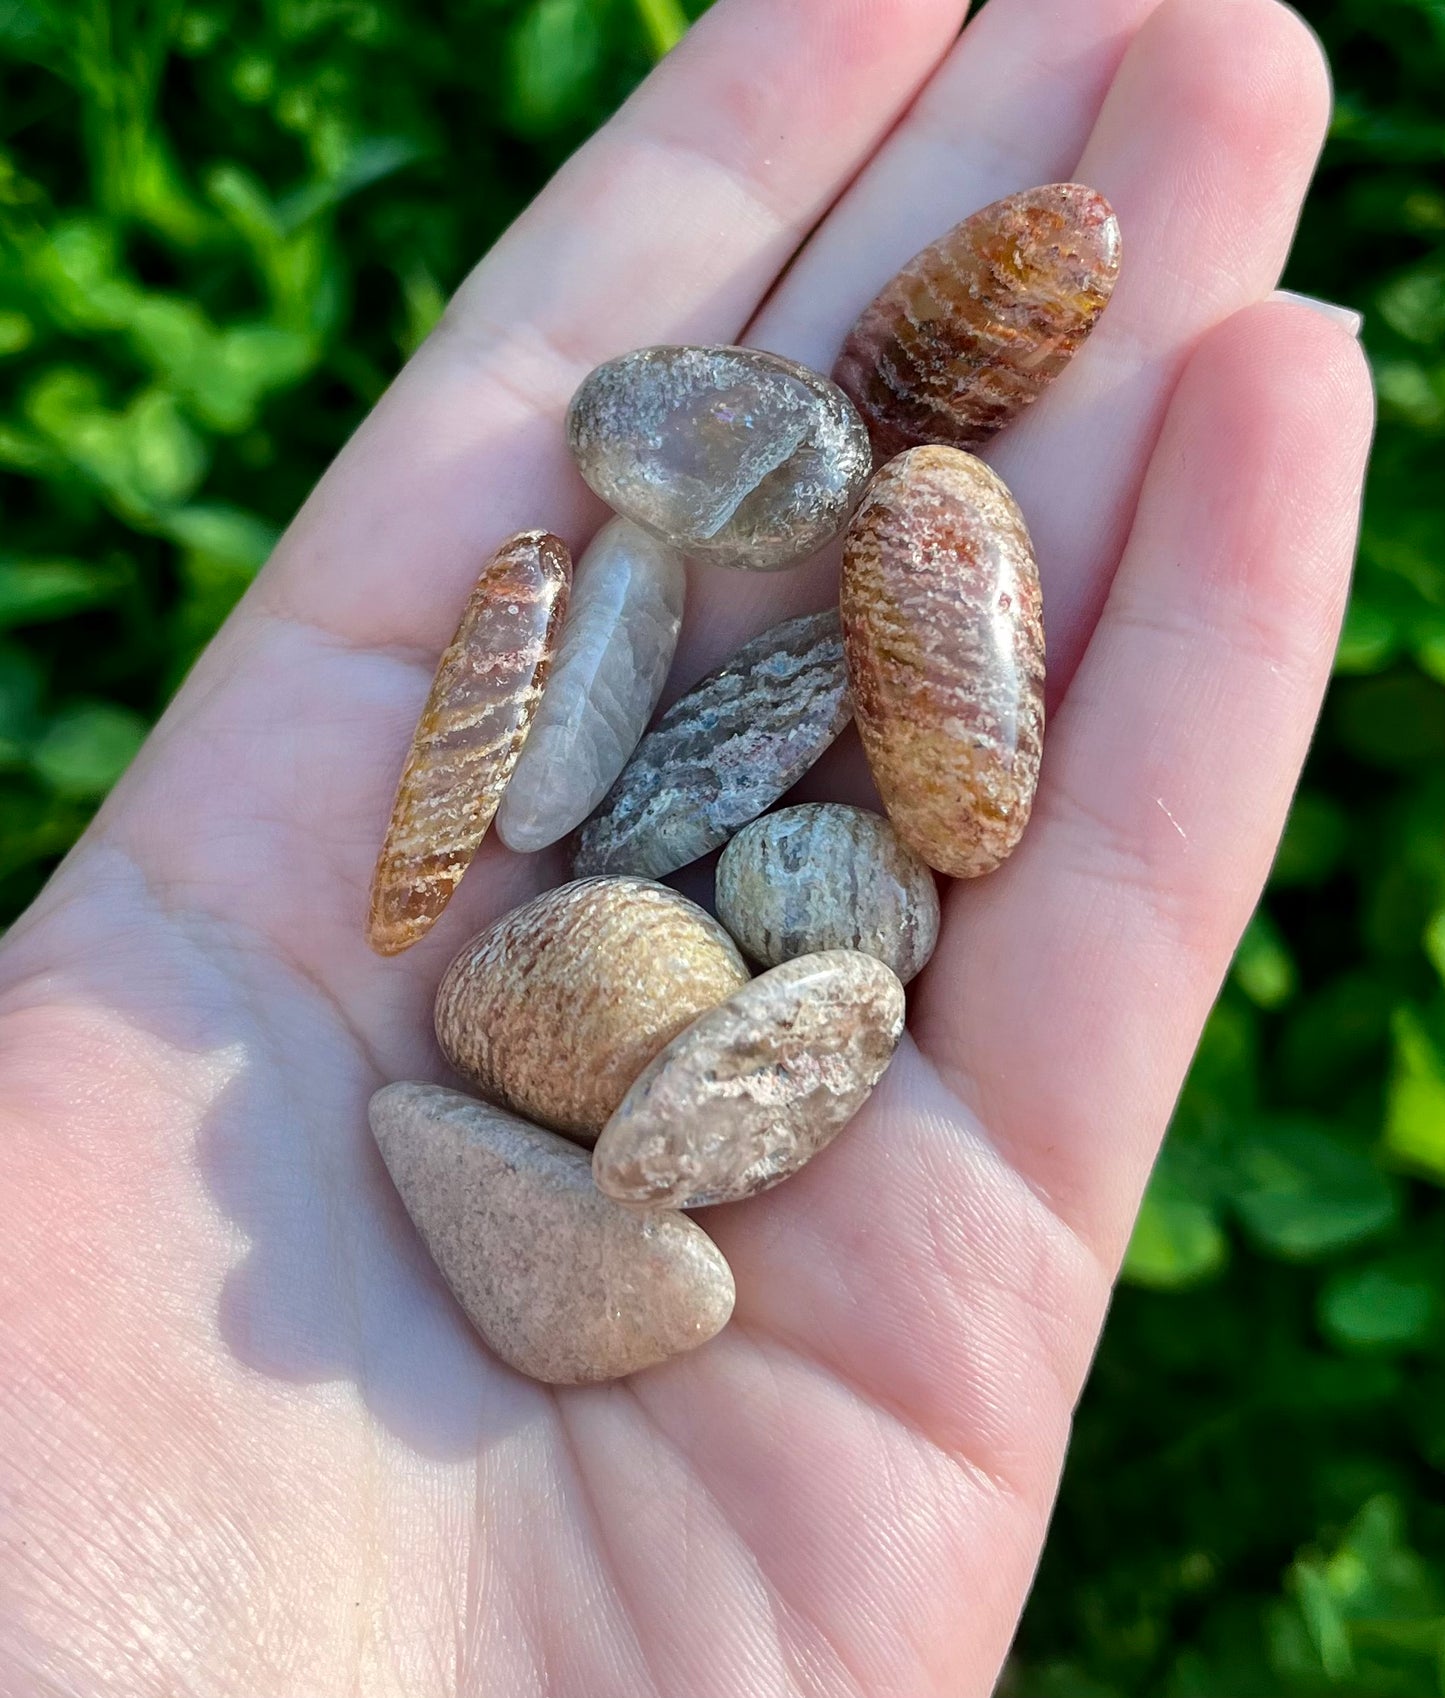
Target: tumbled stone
{"x": 564, "y": 1285}
{"x": 756, "y": 1087}
{"x": 974, "y": 328}
{"x": 486, "y": 690}
{"x": 724, "y": 752}
{"x": 827, "y": 876}
{"x": 736, "y": 457}
{"x": 555, "y": 1009}
{"x": 943, "y": 626}
{"x": 613, "y": 654}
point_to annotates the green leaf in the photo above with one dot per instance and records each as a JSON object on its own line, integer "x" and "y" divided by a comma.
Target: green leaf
{"x": 1263, "y": 969}
{"x": 21, "y": 685}
{"x": 555, "y": 54}
{"x": 225, "y": 533}
{"x": 1304, "y": 1190}
{"x": 86, "y": 748}
{"x": 144, "y": 459}
{"x": 1369, "y": 640}
{"x": 665, "y": 23}
{"x": 1177, "y": 1242}
{"x": 1415, "y": 1101}
{"x": 32, "y": 591}
{"x": 1379, "y": 1307}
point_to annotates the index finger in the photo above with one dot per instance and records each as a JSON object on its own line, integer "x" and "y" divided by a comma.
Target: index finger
{"x": 668, "y": 226}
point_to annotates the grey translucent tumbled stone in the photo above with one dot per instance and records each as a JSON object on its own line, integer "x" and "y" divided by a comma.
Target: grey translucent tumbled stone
{"x": 736, "y": 457}
{"x": 613, "y": 656}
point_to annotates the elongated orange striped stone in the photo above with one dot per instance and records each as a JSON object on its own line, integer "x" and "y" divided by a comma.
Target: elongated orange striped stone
{"x": 976, "y": 327}
{"x": 470, "y": 733}
{"x": 944, "y": 638}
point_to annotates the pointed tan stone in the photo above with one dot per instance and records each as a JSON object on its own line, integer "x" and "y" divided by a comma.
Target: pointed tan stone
{"x": 565, "y": 1285}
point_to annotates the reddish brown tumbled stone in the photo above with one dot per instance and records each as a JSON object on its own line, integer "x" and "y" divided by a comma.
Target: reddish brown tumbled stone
{"x": 485, "y": 693}
{"x": 974, "y": 328}
{"x": 943, "y": 632}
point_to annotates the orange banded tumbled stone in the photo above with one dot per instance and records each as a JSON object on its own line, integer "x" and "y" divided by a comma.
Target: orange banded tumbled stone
{"x": 944, "y": 639}
{"x": 974, "y": 328}
{"x": 486, "y": 690}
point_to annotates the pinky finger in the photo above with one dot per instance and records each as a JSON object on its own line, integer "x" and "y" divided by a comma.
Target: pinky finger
{"x": 1072, "y": 986}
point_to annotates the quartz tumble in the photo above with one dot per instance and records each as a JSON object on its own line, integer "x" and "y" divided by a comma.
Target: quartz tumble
{"x": 754, "y": 1088}
{"x": 613, "y": 654}
{"x": 827, "y": 876}
{"x": 724, "y": 753}
{"x": 943, "y": 626}
{"x": 564, "y": 1285}
{"x": 974, "y": 328}
{"x": 736, "y": 457}
{"x": 465, "y": 746}
{"x": 555, "y": 1009}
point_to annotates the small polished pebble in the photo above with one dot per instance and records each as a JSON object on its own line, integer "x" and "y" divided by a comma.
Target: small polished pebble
{"x": 943, "y": 626}
{"x": 613, "y": 654}
{"x": 736, "y": 457}
{"x": 465, "y": 747}
{"x": 756, "y": 1087}
{"x": 555, "y": 1009}
{"x": 565, "y": 1286}
{"x": 827, "y": 876}
{"x": 723, "y": 753}
{"x": 974, "y": 328}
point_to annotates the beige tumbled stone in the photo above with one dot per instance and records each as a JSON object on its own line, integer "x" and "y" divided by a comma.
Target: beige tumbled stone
{"x": 754, "y": 1088}
{"x": 555, "y": 1009}
{"x": 827, "y": 876}
{"x": 564, "y": 1285}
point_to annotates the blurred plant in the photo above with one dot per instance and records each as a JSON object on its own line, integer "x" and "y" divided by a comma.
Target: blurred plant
{"x": 223, "y": 225}
{"x": 1253, "y": 1503}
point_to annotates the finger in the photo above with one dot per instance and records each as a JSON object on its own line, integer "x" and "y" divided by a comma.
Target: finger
{"x": 952, "y": 1266}
{"x": 669, "y": 225}
{"x": 1070, "y": 988}
{"x": 1205, "y": 147}
{"x": 1012, "y": 105}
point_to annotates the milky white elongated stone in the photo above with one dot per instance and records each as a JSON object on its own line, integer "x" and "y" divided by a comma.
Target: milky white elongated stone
{"x": 755, "y": 1087}
{"x": 827, "y": 876}
{"x": 737, "y": 457}
{"x": 562, "y": 1283}
{"x": 613, "y": 654}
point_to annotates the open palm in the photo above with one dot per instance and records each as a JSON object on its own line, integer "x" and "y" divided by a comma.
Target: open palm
{"x": 248, "y": 1445}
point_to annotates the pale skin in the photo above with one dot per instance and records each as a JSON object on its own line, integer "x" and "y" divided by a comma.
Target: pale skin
{"x": 247, "y": 1443}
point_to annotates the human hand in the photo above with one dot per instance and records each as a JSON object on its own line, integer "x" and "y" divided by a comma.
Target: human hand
{"x": 248, "y": 1445}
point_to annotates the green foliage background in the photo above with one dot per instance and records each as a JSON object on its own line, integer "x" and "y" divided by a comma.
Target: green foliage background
{"x": 223, "y": 223}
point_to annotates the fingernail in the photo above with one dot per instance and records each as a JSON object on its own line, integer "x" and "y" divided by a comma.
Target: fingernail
{"x": 1347, "y": 316}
